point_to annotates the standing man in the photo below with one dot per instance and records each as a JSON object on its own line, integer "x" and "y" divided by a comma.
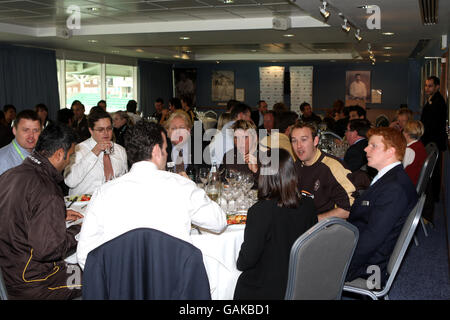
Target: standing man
{"x": 258, "y": 114}
{"x": 97, "y": 159}
{"x": 381, "y": 211}
{"x": 320, "y": 175}
{"x": 156, "y": 198}
{"x": 26, "y": 129}
{"x": 33, "y": 237}
{"x": 79, "y": 123}
{"x": 433, "y": 118}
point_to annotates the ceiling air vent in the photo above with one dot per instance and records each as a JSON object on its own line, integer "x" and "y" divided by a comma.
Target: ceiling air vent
{"x": 429, "y": 11}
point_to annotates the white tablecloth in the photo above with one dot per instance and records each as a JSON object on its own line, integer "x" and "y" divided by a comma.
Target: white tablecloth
{"x": 220, "y": 253}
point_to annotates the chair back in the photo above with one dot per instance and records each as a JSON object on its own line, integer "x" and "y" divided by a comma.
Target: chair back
{"x": 403, "y": 241}
{"x": 427, "y": 167}
{"x": 319, "y": 260}
{"x": 3, "y": 292}
{"x": 145, "y": 264}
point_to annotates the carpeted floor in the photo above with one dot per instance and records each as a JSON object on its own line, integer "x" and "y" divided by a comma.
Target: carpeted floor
{"x": 424, "y": 274}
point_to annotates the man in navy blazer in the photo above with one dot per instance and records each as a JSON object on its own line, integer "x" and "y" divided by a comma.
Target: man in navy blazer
{"x": 380, "y": 212}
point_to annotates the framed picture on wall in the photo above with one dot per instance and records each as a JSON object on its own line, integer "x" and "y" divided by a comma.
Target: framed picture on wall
{"x": 357, "y": 88}
{"x": 185, "y": 81}
{"x": 222, "y": 85}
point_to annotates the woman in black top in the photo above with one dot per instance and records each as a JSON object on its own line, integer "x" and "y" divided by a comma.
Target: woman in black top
{"x": 121, "y": 123}
{"x": 273, "y": 224}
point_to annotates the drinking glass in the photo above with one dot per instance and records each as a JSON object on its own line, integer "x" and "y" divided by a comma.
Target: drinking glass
{"x": 203, "y": 174}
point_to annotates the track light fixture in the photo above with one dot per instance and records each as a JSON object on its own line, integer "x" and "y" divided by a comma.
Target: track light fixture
{"x": 323, "y": 10}
{"x": 357, "y": 35}
{"x": 345, "y": 26}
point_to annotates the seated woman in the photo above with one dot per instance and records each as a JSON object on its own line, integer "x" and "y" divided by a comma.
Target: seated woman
{"x": 415, "y": 154}
{"x": 273, "y": 224}
{"x": 184, "y": 148}
{"x": 243, "y": 157}
{"x": 121, "y": 123}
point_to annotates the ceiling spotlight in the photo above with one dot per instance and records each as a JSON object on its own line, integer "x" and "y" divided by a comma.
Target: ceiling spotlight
{"x": 387, "y": 48}
{"x": 323, "y": 10}
{"x": 345, "y": 26}
{"x": 288, "y": 35}
{"x": 184, "y": 38}
{"x": 371, "y": 56}
{"x": 357, "y": 35}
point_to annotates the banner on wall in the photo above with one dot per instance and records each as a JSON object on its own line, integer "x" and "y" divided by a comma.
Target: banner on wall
{"x": 301, "y": 86}
{"x": 271, "y": 82}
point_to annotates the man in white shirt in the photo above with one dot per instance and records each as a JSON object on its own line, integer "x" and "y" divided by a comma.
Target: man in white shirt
{"x": 96, "y": 159}
{"x": 147, "y": 197}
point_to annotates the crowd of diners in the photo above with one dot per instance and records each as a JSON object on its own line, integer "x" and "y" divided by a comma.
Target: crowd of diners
{"x": 120, "y": 159}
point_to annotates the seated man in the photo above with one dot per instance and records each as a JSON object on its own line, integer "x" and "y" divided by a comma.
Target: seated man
{"x": 355, "y": 156}
{"x": 155, "y": 198}
{"x": 80, "y": 123}
{"x": 26, "y": 129}
{"x": 33, "y": 237}
{"x": 308, "y": 115}
{"x": 356, "y": 112}
{"x": 96, "y": 159}
{"x": 321, "y": 176}
{"x": 280, "y": 139}
{"x": 223, "y": 141}
{"x": 379, "y": 214}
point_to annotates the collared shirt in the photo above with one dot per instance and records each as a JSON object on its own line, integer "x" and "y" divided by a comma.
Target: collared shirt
{"x": 10, "y": 157}
{"x": 147, "y": 198}
{"x": 85, "y": 173}
{"x": 409, "y": 155}
{"x": 383, "y": 171}
{"x": 222, "y": 142}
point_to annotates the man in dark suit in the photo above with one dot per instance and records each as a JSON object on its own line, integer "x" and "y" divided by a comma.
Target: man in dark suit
{"x": 434, "y": 115}
{"x": 258, "y": 114}
{"x": 355, "y": 156}
{"x": 380, "y": 212}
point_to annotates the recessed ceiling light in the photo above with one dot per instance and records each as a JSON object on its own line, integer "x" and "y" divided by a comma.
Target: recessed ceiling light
{"x": 139, "y": 50}
{"x": 253, "y": 50}
{"x": 387, "y": 33}
{"x": 92, "y": 41}
{"x": 387, "y": 48}
{"x": 288, "y": 35}
{"x": 217, "y": 61}
{"x": 93, "y": 9}
{"x": 184, "y": 38}
{"x": 228, "y": 1}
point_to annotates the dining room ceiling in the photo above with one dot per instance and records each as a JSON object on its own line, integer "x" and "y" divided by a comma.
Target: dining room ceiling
{"x": 225, "y": 30}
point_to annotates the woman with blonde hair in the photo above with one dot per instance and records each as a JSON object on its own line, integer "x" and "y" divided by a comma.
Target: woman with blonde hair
{"x": 415, "y": 154}
{"x": 223, "y": 119}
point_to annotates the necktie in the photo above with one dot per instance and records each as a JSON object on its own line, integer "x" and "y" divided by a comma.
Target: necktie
{"x": 179, "y": 165}
{"x": 107, "y": 166}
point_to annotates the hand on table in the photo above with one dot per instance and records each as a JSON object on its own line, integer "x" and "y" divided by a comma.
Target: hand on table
{"x": 73, "y": 215}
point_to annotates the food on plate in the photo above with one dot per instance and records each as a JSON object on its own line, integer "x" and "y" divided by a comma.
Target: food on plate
{"x": 236, "y": 218}
{"x": 83, "y": 197}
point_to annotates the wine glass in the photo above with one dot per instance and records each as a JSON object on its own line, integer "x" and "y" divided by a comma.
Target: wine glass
{"x": 203, "y": 174}
{"x": 230, "y": 176}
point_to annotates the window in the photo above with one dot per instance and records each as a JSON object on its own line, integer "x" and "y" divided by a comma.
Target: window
{"x": 83, "y": 83}
{"x": 119, "y": 86}
{"x": 90, "y": 82}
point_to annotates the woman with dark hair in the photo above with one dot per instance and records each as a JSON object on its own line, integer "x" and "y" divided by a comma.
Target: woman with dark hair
{"x": 279, "y": 217}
